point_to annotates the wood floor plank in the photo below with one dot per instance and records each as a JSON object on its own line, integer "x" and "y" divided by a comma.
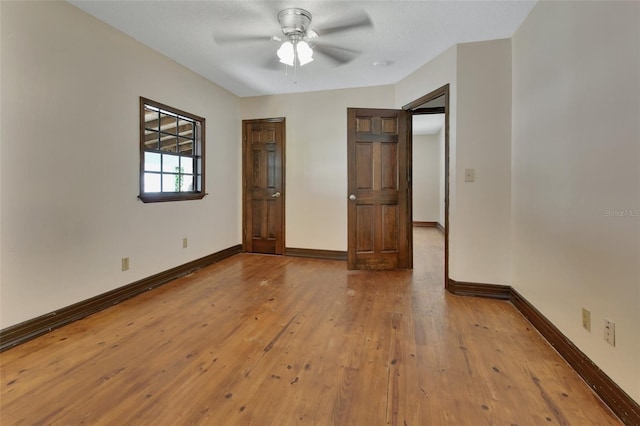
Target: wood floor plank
{"x": 274, "y": 340}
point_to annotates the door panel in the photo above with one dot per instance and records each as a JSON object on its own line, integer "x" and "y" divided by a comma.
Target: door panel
{"x": 379, "y": 214}
{"x": 263, "y": 185}
{"x": 365, "y": 228}
{"x": 389, "y": 165}
{"x": 389, "y": 228}
{"x": 364, "y": 157}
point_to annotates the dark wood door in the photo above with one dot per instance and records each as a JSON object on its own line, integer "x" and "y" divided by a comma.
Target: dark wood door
{"x": 263, "y": 185}
{"x": 379, "y": 206}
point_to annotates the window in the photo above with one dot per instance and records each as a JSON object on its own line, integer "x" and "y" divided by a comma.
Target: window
{"x": 171, "y": 153}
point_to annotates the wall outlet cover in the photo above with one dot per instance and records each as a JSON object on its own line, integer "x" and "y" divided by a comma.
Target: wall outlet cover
{"x": 610, "y": 332}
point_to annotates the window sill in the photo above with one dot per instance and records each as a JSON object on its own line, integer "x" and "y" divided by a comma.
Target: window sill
{"x": 159, "y": 197}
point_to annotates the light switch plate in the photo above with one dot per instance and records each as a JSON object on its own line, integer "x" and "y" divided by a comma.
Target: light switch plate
{"x": 586, "y": 319}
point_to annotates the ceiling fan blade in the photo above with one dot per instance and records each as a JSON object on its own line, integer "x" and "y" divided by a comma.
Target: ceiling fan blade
{"x": 361, "y": 20}
{"x": 338, "y": 55}
{"x": 227, "y": 39}
{"x": 273, "y": 64}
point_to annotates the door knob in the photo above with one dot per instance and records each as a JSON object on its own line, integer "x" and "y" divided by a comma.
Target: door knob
{"x": 352, "y": 197}
{"x": 276, "y": 195}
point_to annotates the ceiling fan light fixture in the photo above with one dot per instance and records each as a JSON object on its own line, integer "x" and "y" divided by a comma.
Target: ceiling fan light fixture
{"x": 286, "y": 53}
{"x": 305, "y": 53}
{"x": 294, "y": 23}
{"x": 290, "y": 51}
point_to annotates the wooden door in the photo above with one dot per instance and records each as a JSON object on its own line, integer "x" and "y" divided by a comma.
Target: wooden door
{"x": 263, "y": 185}
{"x": 379, "y": 206}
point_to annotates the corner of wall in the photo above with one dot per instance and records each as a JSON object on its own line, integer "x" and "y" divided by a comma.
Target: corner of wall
{"x": 483, "y": 143}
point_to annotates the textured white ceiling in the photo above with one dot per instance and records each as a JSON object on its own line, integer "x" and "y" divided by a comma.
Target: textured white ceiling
{"x": 407, "y": 34}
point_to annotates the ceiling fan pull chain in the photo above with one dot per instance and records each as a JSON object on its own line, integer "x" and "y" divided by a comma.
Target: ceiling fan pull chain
{"x": 295, "y": 63}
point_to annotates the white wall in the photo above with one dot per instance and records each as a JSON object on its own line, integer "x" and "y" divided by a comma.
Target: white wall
{"x": 576, "y": 164}
{"x": 70, "y": 161}
{"x": 316, "y": 159}
{"x": 426, "y": 178}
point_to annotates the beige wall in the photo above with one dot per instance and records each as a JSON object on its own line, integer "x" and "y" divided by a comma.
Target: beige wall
{"x": 483, "y": 139}
{"x": 70, "y": 144}
{"x": 479, "y": 75}
{"x": 576, "y": 167}
{"x": 316, "y": 159}
{"x": 426, "y": 178}
{"x": 1, "y": 149}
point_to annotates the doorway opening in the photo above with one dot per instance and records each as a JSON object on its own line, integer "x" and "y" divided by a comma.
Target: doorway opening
{"x": 433, "y": 103}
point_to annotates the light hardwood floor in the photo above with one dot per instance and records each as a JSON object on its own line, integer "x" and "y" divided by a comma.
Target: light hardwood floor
{"x": 270, "y": 340}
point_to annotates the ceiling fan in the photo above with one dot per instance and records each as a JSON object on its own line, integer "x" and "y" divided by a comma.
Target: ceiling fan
{"x": 300, "y": 42}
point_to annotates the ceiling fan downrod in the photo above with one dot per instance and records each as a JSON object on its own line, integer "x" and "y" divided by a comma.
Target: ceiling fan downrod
{"x": 294, "y": 21}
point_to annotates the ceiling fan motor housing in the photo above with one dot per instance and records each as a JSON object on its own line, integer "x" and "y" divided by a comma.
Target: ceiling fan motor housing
{"x": 294, "y": 22}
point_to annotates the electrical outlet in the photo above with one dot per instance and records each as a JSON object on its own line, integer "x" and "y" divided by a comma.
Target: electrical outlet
{"x": 610, "y": 332}
{"x": 125, "y": 264}
{"x": 185, "y": 242}
{"x": 586, "y": 319}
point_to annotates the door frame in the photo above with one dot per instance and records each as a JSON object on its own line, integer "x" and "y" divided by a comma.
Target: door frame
{"x": 280, "y": 246}
{"x": 414, "y": 108}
